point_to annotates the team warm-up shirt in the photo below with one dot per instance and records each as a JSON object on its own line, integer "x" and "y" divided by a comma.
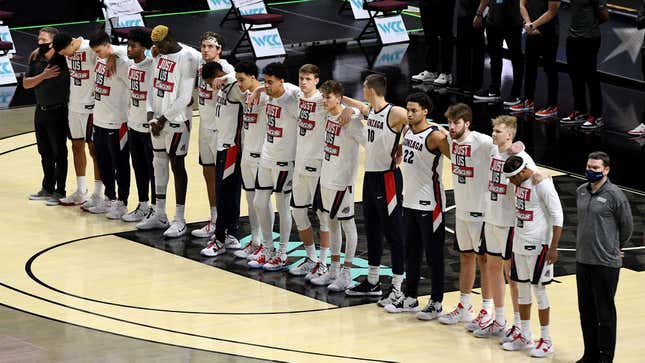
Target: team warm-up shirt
{"x": 340, "y": 160}
{"x": 207, "y": 97}
{"x": 228, "y": 116}
{"x": 81, "y": 72}
{"x": 282, "y": 126}
{"x": 254, "y": 127}
{"x": 140, "y": 76}
{"x": 111, "y": 94}
{"x": 470, "y": 159}
{"x": 173, "y": 82}
{"x": 500, "y": 199}
{"x": 422, "y": 169}
{"x": 382, "y": 141}
{"x": 311, "y": 128}
{"x": 538, "y": 209}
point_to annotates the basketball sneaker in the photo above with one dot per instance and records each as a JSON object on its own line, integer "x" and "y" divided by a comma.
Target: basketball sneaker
{"x": 365, "y": 289}
{"x": 482, "y": 320}
{"x": 431, "y": 311}
{"x": 509, "y": 333}
{"x": 574, "y": 118}
{"x": 262, "y": 258}
{"x": 548, "y": 112}
{"x": 405, "y": 304}
{"x": 592, "y": 123}
{"x": 487, "y": 96}
{"x": 277, "y": 263}
{"x": 318, "y": 270}
{"x": 425, "y": 77}
{"x": 519, "y": 342}
{"x": 177, "y": 228}
{"x": 542, "y": 349}
{"x": 77, "y": 198}
{"x": 136, "y": 215}
{"x": 206, "y": 231}
{"x": 638, "y": 130}
{"x": 246, "y": 251}
{"x": 231, "y": 242}
{"x": 512, "y": 101}
{"x": 342, "y": 282}
{"x": 102, "y": 207}
{"x": 214, "y": 248}
{"x": 523, "y": 106}
{"x": 391, "y": 298}
{"x": 152, "y": 220}
{"x": 93, "y": 200}
{"x": 443, "y": 80}
{"x": 461, "y": 314}
{"x": 256, "y": 253}
{"x": 117, "y": 210}
{"x": 326, "y": 278}
{"x": 493, "y": 329}
{"x": 304, "y": 268}
{"x": 40, "y": 195}
{"x": 54, "y": 199}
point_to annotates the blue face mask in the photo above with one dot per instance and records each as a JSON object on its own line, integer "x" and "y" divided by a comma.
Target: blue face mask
{"x": 593, "y": 176}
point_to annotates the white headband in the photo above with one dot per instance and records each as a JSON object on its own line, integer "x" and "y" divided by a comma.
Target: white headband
{"x": 518, "y": 170}
{"x": 212, "y": 40}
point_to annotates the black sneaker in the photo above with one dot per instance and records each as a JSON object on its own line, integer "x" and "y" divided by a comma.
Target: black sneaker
{"x": 487, "y": 96}
{"x": 574, "y": 118}
{"x": 365, "y": 289}
{"x": 391, "y": 297}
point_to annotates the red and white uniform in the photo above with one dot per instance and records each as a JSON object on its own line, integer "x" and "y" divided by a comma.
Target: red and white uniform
{"x": 254, "y": 131}
{"x": 140, "y": 77}
{"x": 81, "y": 91}
{"x": 382, "y": 141}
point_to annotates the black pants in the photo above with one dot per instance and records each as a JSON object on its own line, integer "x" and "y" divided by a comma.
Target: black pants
{"x": 229, "y": 189}
{"x": 51, "y": 138}
{"x": 436, "y": 18}
{"x": 113, "y": 157}
{"x": 379, "y": 188}
{"x": 471, "y": 50}
{"x": 542, "y": 47}
{"x": 419, "y": 237}
{"x": 513, "y": 37}
{"x": 582, "y": 59}
{"x": 596, "y": 290}
{"x": 140, "y": 145}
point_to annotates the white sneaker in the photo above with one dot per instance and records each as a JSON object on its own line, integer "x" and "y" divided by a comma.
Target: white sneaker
{"x": 231, "y": 242}
{"x": 117, "y": 210}
{"x": 176, "y": 229}
{"x": 493, "y": 329}
{"x": 342, "y": 282}
{"x": 303, "y": 268}
{"x": 152, "y": 220}
{"x": 103, "y": 206}
{"x": 542, "y": 349}
{"x": 638, "y": 130}
{"x": 392, "y": 298}
{"x": 443, "y": 80}
{"x": 407, "y": 304}
{"x": 54, "y": 199}
{"x": 318, "y": 270}
{"x": 77, "y": 198}
{"x": 460, "y": 314}
{"x": 509, "y": 333}
{"x": 214, "y": 248}
{"x": 482, "y": 320}
{"x": 93, "y": 200}
{"x": 277, "y": 263}
{"x": 207, "y": 231}
{"x": 519, "y": 342}
{"x": 262, "y": 258}
{"x": 325, "y": 279}
{"x": 246, "y": 251}
{"x": 425, "y": 76}
{"x": 431, "y": 311}
{"x": 40, "y": 195}
{"x": 136, "y": 215}
{"x": 256, "y": 253}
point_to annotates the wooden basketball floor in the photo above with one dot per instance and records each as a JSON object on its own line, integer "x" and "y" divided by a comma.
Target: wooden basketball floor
{"x": 114, "y": 285}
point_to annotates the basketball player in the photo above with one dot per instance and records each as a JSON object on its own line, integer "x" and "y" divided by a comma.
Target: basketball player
{"x": 382, "y": 187}
{"x": 175, "y": 68}
{"x": 337, "y": 178}
{"x": 211, "y": 50}
{"x": 275, "y": 172}
{"x": 499, "y": 220}
{"x": 110, "y": 129}
{"x": 228, "y": 117}
{"x": 140, "y": 76}
{"x": 80, "y": 61}
{"x": 537, "y": 232}
{"x": 423, "y": 206}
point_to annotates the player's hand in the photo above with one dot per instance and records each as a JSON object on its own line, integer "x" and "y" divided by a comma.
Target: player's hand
{"x": 516, "y": 148}
{"x": 478, "y": 22}
{"x": 156, "y": 126}
{"x": 110, "y": 64}
{"x": 50, "y": 72}
{"x": 345, "y": 116}
{"x": 253, "y": 98}
{"x": 552, "y": 256}
{"x": 218, "y": 83}
{"x": 538, "y": 176}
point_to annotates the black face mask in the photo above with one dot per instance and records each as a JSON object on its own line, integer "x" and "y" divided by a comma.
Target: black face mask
{"x": 44, "y": 48}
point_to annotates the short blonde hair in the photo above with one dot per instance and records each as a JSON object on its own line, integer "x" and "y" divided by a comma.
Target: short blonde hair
{"x": 509, "y": 121}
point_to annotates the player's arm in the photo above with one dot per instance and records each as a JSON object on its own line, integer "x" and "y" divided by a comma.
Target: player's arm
{"x": 438, "y": 141}
{"x": 624, "y": 220}
{"x": 547, "y": 193}
{"x": 32, "y": 79}
{"x": 550, "y": 13}
{"x": 358, "y": 130}
{"x": 362, "y": 107}
{"x": 222, "y": 81}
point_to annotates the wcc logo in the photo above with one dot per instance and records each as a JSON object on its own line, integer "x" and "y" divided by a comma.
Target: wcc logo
{"x": 130, "y": 22}
{"x": 5, "y": 68}
{"x": 270, "y": 40}
{"x": 252, "y": 10}
{"x": 219, "y": 4}
{"x": 395, "y": 26}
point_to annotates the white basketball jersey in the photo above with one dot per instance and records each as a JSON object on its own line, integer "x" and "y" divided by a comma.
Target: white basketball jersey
{"x": 140, "y": 76}
{"x": 538, "y": 209}
{"x": 470, "y": 159}
{"x": 500, "y": 199}
{"x": 228, "y": 115}
{"x": 111, "y": 93}
{"x": 282, "y": 127}
{"x": 254, "y": 124}
{"x": 382, "y": 141}
{"x": 340, "y": 160}
{"x": 206, "y": 102}
{"x": 311, "y": 128}
{"x": 421, "y": 169}
{"x": 81, "y": 72}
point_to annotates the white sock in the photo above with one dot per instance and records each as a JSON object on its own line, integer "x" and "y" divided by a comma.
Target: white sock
{"x": 545, "y": 333}
{"x": 500, "y": 317}
{"x": 179, "y": 212}
{"x": 311, "y": 252}
{"x": 487, "y": 304}
{"x": 144, "y": 206}
{"x": 81, "y": 184}
{"x": 213, "y": 215}
{"x": 161, "y": 208}
{"x": 335, "y": 268}
{"x": 324, "y": 251}
{"x": 282, "y": 202}
{"x": 98, "y": 188}
{"x": 372, "y": 274}
{"x": 351, "y": 240}
{"x": 516, "y": 319}
{"x": 397, "y": 281}
{"x": 525, "y": 328}
{"x": 464, "y": 299}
